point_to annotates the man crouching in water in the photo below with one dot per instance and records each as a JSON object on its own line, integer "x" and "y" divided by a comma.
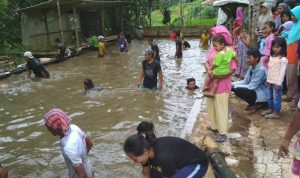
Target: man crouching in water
{"x": 74, "y": 143}
{"x": 34, "y": 65}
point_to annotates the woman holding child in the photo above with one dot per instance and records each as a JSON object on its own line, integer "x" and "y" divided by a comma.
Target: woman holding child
{"x": 218, "y": 105}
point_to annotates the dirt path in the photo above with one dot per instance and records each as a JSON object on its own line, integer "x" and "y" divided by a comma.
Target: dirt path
{"x": 251, "y": 149}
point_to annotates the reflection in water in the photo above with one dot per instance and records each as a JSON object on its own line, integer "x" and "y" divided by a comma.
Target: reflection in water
{"x": 108, "y": 117}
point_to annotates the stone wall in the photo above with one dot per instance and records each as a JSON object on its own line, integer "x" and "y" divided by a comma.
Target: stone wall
{"x": 164, "y": 31}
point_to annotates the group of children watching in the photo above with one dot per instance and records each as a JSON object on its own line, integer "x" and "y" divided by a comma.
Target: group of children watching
{"x": 277, "y": 53}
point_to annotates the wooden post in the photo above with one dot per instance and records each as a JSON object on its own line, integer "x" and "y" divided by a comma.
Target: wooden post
{"x": 60, "y": 23}
{"x": 256, "y": 8}
{"x": 47, "y": 29}
{"x": 76, "y": 27}
{"x": 102, "y": 22}
{"x": 122, "y": 19}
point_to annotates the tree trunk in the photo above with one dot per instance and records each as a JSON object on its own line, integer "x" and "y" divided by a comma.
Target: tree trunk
{"x": 255, "y": 14}
{"x": 149, "y": 13}
{"x": 181, "y": 13}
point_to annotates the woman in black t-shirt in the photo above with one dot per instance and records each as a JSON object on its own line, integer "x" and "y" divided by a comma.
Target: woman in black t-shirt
{"x": 173, "y": 157}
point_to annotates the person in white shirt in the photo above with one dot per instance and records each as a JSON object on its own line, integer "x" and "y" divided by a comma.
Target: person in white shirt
{"x": 73, "y": 142}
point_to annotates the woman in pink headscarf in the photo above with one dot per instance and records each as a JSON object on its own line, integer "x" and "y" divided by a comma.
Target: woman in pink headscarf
{"x": 238, "y": 22}
{"x": 217, "y": 107}
{"x": 73, "y": 142}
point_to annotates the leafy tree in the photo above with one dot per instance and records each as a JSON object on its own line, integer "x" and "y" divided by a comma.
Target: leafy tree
{"x": 209, "y": 12}
{"x": 10, "y": 29}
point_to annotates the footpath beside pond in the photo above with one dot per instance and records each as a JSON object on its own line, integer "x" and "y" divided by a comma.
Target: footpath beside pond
{"x": 253, "y": 141}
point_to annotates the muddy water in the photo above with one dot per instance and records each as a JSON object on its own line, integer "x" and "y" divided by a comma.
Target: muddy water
{"x": 108, "y": 117}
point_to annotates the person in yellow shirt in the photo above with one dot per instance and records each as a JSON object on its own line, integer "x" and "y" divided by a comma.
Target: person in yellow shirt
{"x": 181, "y": 36}
{"x": 101, "y": 46}
{"x": 205, "y": 39}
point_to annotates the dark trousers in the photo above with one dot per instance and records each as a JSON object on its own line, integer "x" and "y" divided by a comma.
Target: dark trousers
{"x": 245, "y": 94}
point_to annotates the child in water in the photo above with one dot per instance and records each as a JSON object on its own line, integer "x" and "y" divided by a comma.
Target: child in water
{"x": 88, "y": 85}
{"x": 221, "y": 65}
{"x": 205, "y": 39}
{"x": 123, "y": 44}
{"x": 101, "y": 46}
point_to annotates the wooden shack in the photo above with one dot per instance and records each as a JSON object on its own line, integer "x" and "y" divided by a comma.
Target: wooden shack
{"x": 72, "y": 21}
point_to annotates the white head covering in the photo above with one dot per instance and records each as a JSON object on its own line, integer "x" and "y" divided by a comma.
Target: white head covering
{"x": 100, "y": 37}
{"x": 263, "y": 18}
{"x": 28, "y": 54}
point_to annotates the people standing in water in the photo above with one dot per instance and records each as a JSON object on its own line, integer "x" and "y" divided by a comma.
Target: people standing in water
{"x": 101, "y": 47}
{"x": 35, "y": 66}
{"x": 221, "y": 65}
{"x": 173, "y": 157}
{"x": 123, "y": 44}
{"x": 74, "y": 143}
{"x": 178, "y": 42}
{"x": 148, "y": 128}
{"x": 205, "y": 39}
{"x": 89, "y": 86}
{"x": 149, "y": 72}
{"x": 275, "y": 76}
{"x": 155, "y": 49}
{"x": 61, "y": 50}
{"x": 173, "y": 36}
{"x": 191, "y": 84}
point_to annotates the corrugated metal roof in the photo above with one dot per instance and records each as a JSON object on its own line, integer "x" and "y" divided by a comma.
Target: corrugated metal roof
{"x": 79, "y": 4}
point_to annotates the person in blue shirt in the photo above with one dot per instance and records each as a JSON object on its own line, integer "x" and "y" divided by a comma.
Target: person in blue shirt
{"x": 253, "y": 88}
{"x": 123, "y": 44}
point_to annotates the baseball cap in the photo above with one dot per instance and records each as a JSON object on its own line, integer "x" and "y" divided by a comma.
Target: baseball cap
{"x": 254, "y": 53}
{"x": 148, "y": 52}
{"x": 28, "y": 54}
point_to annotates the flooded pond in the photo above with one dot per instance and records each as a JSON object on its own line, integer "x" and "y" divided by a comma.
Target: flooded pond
{"x": 29, "y": 150}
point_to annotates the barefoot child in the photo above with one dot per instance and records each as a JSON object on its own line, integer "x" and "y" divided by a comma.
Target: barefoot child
{"x": 276, "y": 72}
{"x": 220, "y": 67}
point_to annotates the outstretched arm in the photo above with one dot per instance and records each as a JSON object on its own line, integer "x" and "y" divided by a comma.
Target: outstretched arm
{"x": 293, "y": 128}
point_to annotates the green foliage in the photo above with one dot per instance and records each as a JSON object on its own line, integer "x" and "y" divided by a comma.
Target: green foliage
{"x": 193, "y": 13}
{"x": 10, "y": 29}
{"x": 209, "y": 12}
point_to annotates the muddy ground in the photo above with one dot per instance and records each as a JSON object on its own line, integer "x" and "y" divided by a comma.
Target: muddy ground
{"x": 253, "y": 141}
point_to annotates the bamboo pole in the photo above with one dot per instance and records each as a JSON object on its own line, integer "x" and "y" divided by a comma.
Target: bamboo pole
{"x": 60, "y": 23}
{"x": 76, "y": 28}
